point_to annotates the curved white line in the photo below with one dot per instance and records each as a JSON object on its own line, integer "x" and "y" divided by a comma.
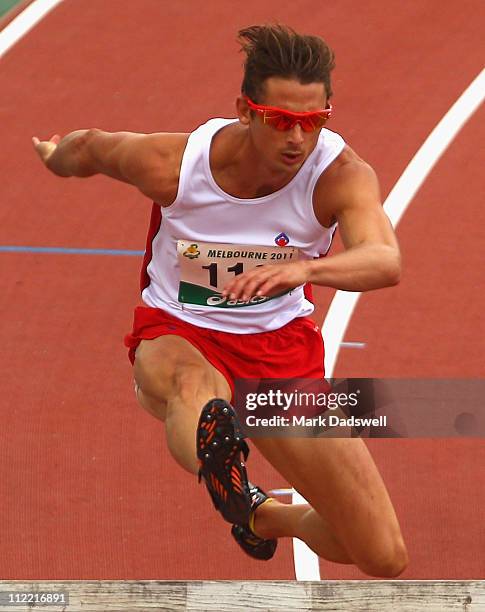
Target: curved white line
{"x": 343, "y": 304}
{"x": 24, "y": 22}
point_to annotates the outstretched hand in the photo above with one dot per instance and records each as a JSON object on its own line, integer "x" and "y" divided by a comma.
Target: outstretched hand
{"x": 269, "y": 280}
{"x": 45, "y": 148}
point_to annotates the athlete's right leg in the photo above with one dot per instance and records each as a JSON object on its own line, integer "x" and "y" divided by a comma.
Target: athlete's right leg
{"x": 174, "y": 381}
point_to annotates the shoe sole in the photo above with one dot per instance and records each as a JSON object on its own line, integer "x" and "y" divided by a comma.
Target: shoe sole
{"x": 220, "y": 444}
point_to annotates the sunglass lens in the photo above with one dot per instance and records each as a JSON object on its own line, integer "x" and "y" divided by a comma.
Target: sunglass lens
{"x": 271, "y": 118}
{"x": 282, "y": 122}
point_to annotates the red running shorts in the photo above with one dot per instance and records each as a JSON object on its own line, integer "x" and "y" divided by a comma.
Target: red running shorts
{"x": 293, "y": 351}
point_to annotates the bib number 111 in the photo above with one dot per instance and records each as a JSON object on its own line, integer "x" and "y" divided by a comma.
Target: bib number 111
{"x": 237, "y": 269}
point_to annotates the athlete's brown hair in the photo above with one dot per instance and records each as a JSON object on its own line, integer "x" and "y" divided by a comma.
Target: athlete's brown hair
{"x": 277, "y": 50}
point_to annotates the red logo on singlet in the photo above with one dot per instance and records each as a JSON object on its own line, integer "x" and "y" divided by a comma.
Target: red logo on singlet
{"x": 282, "y": 239}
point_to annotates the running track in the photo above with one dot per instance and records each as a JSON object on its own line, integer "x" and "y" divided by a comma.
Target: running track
{"x": 87, "y": 488}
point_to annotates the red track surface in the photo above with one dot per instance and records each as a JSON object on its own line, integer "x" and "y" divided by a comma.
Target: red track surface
{"x": 87, "y": 487}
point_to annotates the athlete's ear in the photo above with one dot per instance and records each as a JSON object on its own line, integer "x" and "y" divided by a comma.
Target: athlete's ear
{"x": 243, "y": 110}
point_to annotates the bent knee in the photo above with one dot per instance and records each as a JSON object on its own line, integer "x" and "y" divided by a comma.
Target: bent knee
{"x": 386, "y": 564}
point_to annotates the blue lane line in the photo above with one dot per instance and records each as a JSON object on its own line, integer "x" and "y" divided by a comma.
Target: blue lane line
{"x": 64, "y": 250}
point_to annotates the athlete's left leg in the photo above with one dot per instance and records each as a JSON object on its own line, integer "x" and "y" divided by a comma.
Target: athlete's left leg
{"x": 276, "y": 520}
{"x": 351, "y": 518}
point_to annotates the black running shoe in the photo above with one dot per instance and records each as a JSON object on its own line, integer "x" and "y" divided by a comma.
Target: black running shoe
{"x": 253, "y": 545}
{"x": 220, "y": 444}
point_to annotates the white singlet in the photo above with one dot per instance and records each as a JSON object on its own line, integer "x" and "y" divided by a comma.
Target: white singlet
{"x": 207, "y": 236}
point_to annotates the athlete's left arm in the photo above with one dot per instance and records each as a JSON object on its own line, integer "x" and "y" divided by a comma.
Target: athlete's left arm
{"x": 371, "y": 259}
{"x": 350, "y": 194}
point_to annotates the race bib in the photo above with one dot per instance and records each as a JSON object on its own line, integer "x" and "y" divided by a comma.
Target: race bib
{"x": 206, "y": 268}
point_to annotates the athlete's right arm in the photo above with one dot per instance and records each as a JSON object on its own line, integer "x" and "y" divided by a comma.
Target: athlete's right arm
{"x": 150, "y": 162}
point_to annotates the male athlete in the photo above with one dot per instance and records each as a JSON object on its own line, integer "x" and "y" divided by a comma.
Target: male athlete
{"x": 243, "y": 210}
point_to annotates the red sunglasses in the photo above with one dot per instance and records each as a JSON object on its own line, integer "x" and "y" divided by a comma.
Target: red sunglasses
{"x": 283, "y": 120}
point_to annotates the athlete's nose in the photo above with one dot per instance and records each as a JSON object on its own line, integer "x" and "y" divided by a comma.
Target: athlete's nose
{"x": 295, "y": 135}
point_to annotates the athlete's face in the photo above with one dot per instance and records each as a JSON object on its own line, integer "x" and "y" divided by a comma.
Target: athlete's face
{"x": 284, "y": 151}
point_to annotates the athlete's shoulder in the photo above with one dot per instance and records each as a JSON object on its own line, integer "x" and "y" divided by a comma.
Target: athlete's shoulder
{"x": 347, "y": 179}
{"x": 167, "y": 145}
{"x": 163, "y": 154}
{"x": 347, "y": 171}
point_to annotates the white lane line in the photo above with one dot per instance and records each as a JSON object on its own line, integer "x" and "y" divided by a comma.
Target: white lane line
{"x": 307, "y": 565}
{"x": 343, "y": 304}
{"x": 24, "y": 22}
{"x": 358, "y": 345}
{"x": 433, "y": 148}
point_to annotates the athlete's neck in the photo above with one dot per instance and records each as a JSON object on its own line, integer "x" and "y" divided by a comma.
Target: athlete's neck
{"x": 239, "y": 169}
